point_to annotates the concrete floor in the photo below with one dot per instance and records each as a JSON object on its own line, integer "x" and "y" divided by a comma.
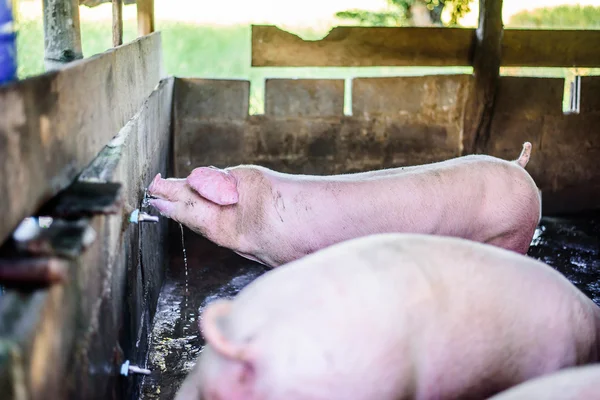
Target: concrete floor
{"x": 570, "y": 244}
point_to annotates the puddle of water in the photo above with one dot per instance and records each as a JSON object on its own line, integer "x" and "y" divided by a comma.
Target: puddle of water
{"x": 211, "y": 273}
{"x": 571, "y": 246}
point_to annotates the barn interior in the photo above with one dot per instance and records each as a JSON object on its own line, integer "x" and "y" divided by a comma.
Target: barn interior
{"x": 99, "y": 289}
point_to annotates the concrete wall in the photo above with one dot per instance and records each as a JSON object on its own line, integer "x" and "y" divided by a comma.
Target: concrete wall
{"x": 395, "y": 122}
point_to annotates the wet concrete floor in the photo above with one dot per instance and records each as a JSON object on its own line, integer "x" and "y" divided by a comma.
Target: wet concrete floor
{"x": 569, "y": 244}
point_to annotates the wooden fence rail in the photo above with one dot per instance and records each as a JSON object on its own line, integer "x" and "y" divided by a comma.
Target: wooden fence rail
{"x": 51, "y": 126}
{"x": 415, "y": 46}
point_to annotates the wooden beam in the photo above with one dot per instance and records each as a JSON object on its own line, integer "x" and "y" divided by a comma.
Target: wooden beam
{"x": 304, "y": 97}
{"x": 550, "y": 48}
{"x": 62, "y": 34}
{"x": 103, "y": 313}
{"x": 51, "y": 126}
{"x": 145, "y": 17}
{"x": 411, "y": 46}
{"x": 362, "y": 47}
{"x": 486, "y": 70}
{"x": 117, "y": 22}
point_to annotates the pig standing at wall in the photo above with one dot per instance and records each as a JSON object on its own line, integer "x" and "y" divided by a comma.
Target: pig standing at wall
{"x": 394, "y": 316}
{"x": 274, "y": 218}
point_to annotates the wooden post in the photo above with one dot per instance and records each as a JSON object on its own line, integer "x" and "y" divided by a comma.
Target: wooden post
{"x": 486, "y": 70}
{"x": 145, "y": 17}
{"x": 117, "y": 22}
{"x": 62, "y": 35}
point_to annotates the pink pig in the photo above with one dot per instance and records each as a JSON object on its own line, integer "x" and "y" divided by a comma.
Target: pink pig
{"x": 394, "y": 316}
{"x": 577, "y": 383}
{"x": 275, "y": 218}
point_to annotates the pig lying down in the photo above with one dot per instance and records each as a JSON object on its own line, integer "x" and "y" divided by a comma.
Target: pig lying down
{"x": 390, "y": 317}
{"x": 275, "y": 218}
{"x": 579, "y": 383}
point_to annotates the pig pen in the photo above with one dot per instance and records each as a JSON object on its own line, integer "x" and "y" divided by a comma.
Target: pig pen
{"x": 95, "y": 291}
{"x": 304, "y": 131}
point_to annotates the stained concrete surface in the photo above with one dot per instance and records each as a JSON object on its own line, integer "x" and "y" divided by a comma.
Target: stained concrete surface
{"x": 569, "y": 244}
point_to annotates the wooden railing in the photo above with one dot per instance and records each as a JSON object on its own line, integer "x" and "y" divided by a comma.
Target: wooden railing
{"x": 423, "y": 47}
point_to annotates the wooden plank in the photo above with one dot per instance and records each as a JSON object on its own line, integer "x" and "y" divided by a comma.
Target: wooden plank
{"x": 362, "y": 47}
{"x": 521, "y": 105}
{"x": 315, "y": 145}
{"x": 432, "y": 98}
{"x": 51, "y": 126}
{"x": 62, "y": 34}
{"x": 550, "y": 48}
{"x": 211, "y": 98}
{"x": 145, "y": 17}
{"x": 206, "y": 99}
{"x": 487, "y": 55}
{"x": 590, "y": 94}
{"x": 304, "y": 97}
{"x": 564, "y": 158}
{"x": 117, "y": 22}
{"x": 530, "y": 96}
{"x": 133, "y": 257}
{"x": 102, "y": 314}
{"x": 418, "y": 46}
{"x": 32, "y": 364}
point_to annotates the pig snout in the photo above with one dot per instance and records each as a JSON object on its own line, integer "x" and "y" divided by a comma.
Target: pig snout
{"x": 203, "y": 202}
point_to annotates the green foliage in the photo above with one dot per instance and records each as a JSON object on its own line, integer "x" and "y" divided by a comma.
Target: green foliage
{"x": 400, "y": 12}
{"x": 190, "y": 50}
{"x": 369, "y": 18}
{"x": 561, "y": 17}
{"x": 225, "y": 52}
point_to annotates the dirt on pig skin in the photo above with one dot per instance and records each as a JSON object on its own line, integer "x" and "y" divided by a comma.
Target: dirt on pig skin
{"x": 274, "y": 218}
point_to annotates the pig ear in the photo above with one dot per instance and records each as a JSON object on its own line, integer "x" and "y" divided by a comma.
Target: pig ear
{"x": 214, "y": 317}
{"x": 214, "y": 184}
{"x": 211, "y": 324}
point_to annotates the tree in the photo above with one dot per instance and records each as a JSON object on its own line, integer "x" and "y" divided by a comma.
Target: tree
{"x": 410, "y": 13}
{"x": 561, "y": 17}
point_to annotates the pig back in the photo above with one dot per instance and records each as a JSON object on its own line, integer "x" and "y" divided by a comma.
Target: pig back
{"x": 404, "y": 311}
{"x": 505, "y": 318}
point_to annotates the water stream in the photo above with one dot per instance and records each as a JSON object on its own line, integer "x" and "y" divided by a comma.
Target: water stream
{"x": 187, "y": 293}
